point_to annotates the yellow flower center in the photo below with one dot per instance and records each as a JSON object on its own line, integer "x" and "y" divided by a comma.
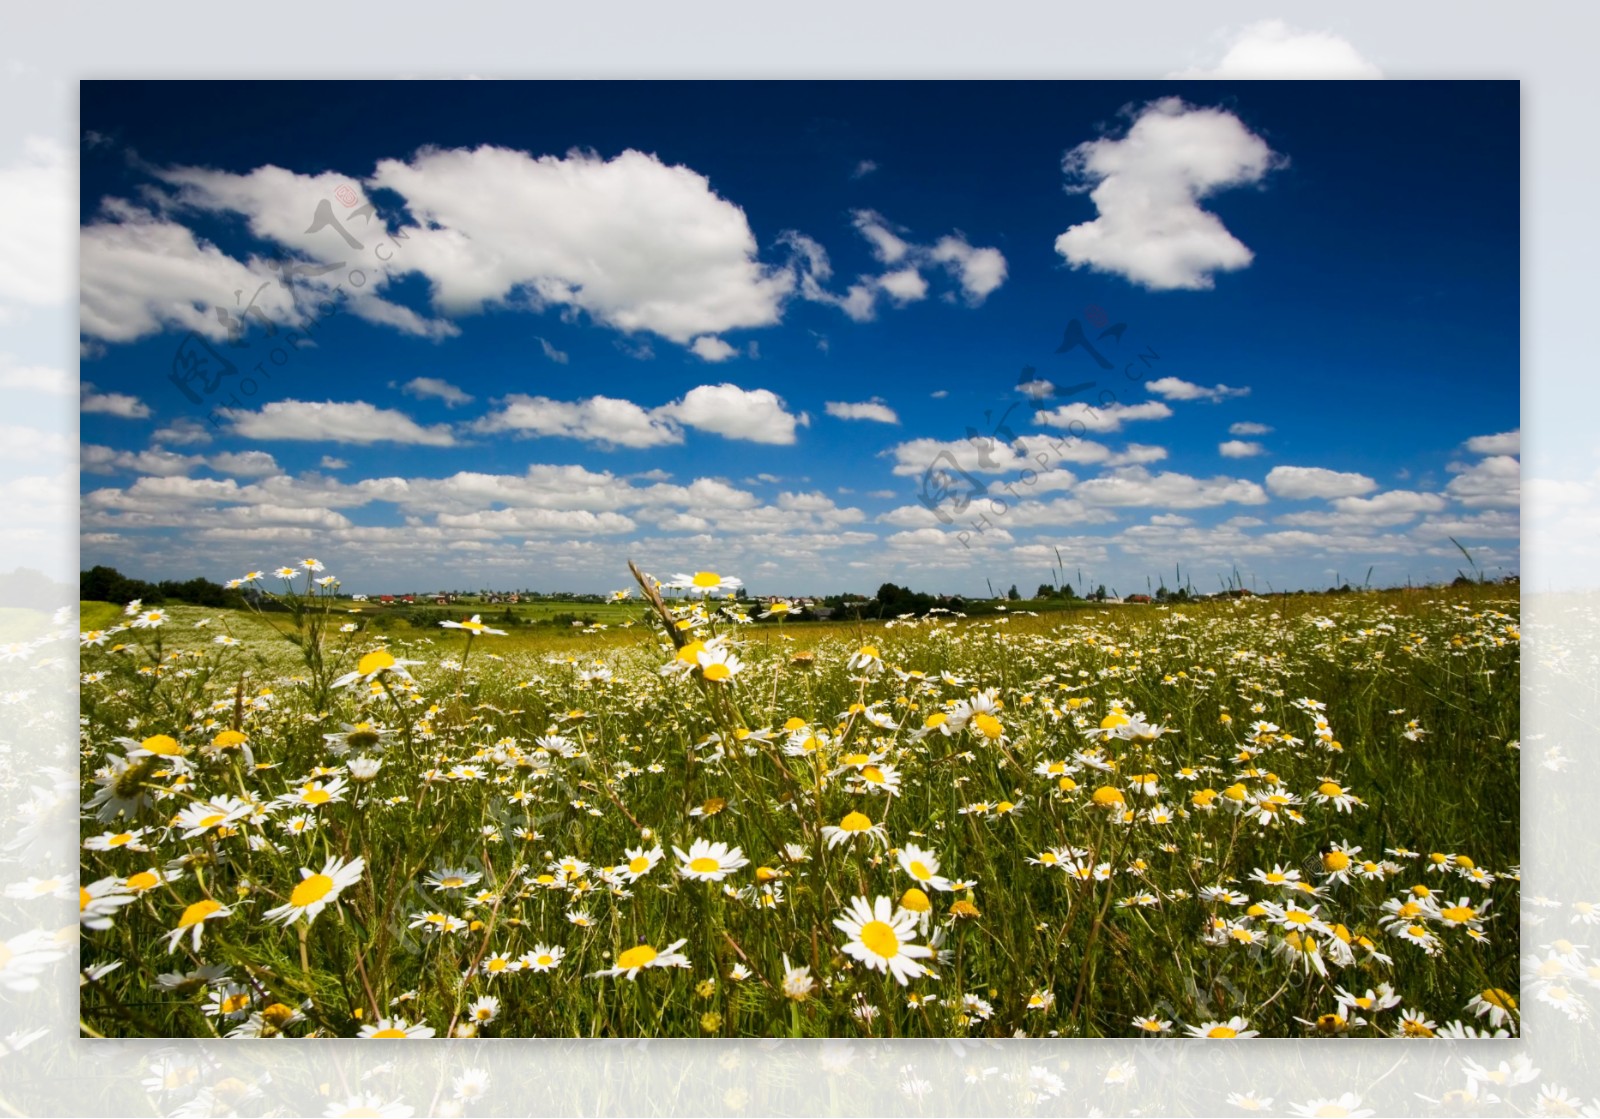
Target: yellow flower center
{"x": 1298, "y": 917}
{"x": 1458, "y": 913}
{"x": 855, "y": 821}
{"x": 313, "y": 795}
{"x": 707, "y": 579}
{"x": 144, "y": 880}
{"x": 988, "y": 725}
{"x": 375, "y": 661}
{"x": 1494, "y": 996}
{"x": 388, "y": 1031}
{"x": 919, "y": 870}
{"x": 228, "y": 738}
{"x": 310, "y": 890}
{"x": 705, "y": 864}
{"x": 198, "y": 912}
{"x": 162, "y": 744}
{"x": 638, "y": 865}
{"x": 880, "y": 939}
{"x": 1222, "y": 1031}
{"x": 915, "y": 900}
{"x": 1335, "y": 861}
{"x": 637, "y": 957}
{"x": 1106, "y": 796}
{"x": 716, "y": 672}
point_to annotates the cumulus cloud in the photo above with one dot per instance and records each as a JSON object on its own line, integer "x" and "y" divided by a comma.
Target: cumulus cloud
{"x": 873, "y": 409}
{"x": 1174, "y": 388}
{"x": 1505, "y": 443}
{"x": 1136, "y": 486}
{"x": 1147, "y": 186}
{"x": 1298, "y": 483}
{"x": 1245, "y": 427}
{"x": 112, "y": 404}
{"x": 864, "y": 168}
{"x": 140, "y": 274}
{"x": 755, "y": 415}
{"x": 631, "y": 241}
{"x": 597, "y": 419}
{"x": 711, "y": 348}
{"x": 1272, "y": 49}
{"x": 1493, "y": 482}
{"x": 1240, "y": 448}
{"x": 35, "y": 225}
{"x": 1080, "y": 417}
{"x": 977, "y": 271}
{"x": 334, "y": 422}
{"x": 1394, "y": 507}
{"x": 425, "y": 387}
{"x": 980, "y": 271}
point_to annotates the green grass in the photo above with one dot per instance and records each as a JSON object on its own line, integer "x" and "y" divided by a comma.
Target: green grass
{"x": 660, "y": 760}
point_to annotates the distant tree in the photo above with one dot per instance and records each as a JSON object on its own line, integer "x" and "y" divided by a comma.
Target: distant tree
{"x": 1100, "y": 593}
{"x": 1068, "y": 593}
{"x": 1013, "y": 594}
{"x": 1045, "y": 591}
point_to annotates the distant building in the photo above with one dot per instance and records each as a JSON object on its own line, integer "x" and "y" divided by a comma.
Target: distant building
{"x": 1138, "y": 598}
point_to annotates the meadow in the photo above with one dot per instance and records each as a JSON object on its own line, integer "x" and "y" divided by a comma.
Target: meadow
{"x": 1285, "y": 816}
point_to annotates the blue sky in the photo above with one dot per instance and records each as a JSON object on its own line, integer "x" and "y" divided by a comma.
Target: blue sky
{"x": 732, "y": 327}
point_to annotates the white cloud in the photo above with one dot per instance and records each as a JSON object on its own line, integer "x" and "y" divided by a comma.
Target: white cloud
{"x": 597, "y": 419}
{"x": 1245, "y": 427}
{"x": 1273, "y": 49}
{"x": 1146, "y": 188}
{"x": 1494, "y": 482}
{"x": 182, "y": 431}
{"x": 424, "y": 387}
{"x": 1298, "y": 483}
{"x": 711, "y": 348}
{"x": 887, "y": 246}
{"x": 1239, "y": 448}
{"x": 112, "y": 404}
{"x": 330, "y": 463}
{"x": 757, "y": 415}
{"x": 864, "y": 168}
{"x": 337, "y": 422}
{"x": 1080, "y": 417}
{"x": 35, "y": 378}
{"x": 939, "y": 394}
{"x": 1394, "y": 507}
{"x": 246, "y": 463}
{"x": 555, "y": 355}
{"x": 140, "y": 274}
{"x": 634, "y": 243}
{"x": 36, "y": 225}
{"x": 980, "y": 271}
{"x": 867, "y": 410}
{"x": 904, "y": 286}
{"x": 1174, "y": 388}
{"x": 1136, "y": 486}
{"x": 1505, "y": 443}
